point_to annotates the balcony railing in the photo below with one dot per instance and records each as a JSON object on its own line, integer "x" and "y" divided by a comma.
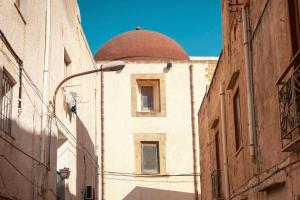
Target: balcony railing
{"x": 289, "y": 105}
{"x": 216, "y": 184}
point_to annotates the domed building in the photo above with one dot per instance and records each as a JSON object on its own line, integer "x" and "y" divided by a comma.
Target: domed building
{"x": 149, "y": 145}
{"x": 141, "y": 45}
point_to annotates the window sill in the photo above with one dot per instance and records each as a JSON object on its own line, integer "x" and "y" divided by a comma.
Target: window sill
{"x": 152, "y": 175}
{"x": 20, "y": 13}
{"x": 238, "y": 151}
{"x": 149, "y": 114}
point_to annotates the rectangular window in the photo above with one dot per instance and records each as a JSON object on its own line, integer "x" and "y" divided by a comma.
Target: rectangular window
{"x": 147, "y": 97}
{"x": 217, "y": 143}
{"x": 6, "y": 103}
{"x": 150, "y": 157}
{"x": 237, "y": 120}
{"x": 148, "y": 100}
{"x": 216, "y": 175}
{"x": 294, "y": 12}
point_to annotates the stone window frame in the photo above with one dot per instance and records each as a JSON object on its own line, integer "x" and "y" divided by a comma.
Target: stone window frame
{"x": 161, "y": 111}
{"x": 150, "y": 137}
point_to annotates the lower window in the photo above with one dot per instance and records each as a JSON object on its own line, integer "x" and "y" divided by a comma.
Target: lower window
{"x": 150, "y": 157}
{"x": 150, "y": 153}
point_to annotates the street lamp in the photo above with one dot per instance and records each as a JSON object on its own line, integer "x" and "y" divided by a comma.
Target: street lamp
{"x": 109, "y": 67}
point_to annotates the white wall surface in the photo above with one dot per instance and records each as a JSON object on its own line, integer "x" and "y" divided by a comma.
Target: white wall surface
{"x": 120, "y": 128}
{"x": 25, "y": 31}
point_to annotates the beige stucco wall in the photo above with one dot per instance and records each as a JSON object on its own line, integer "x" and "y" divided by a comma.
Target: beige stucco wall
{"x": 24, "y": 30}
{"x": 121, "y": 127}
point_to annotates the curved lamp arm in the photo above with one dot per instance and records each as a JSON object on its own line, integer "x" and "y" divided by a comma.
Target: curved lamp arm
{"x": 112, "y": 66}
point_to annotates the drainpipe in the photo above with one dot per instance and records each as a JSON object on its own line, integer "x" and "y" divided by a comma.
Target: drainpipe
{"x": 45, "y": 98}
{"x": 45, "y": 80}
{"x": 249, "y": 81}
{"x": 102, "y": 136}
{"x": 193, "y": 133}
{"x": 96, "y": 147}
{"x": 224, "y": 142}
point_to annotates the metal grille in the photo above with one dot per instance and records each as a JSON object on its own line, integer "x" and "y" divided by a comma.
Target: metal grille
{"x": 289, "y": 102}
{"x": 150, "y": 158}
{"x": 6, "y": 103}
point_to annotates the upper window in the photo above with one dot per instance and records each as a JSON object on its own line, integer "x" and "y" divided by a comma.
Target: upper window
{"x": 294, "y": 12}
{"x": 6, "y": 102}
{"x": 150, "y": 157}
{"x": 237, "y": 120}
{"x": 217, "y": 149}
{"x": 148, "y": 95}
{"x": 216, "y": 175}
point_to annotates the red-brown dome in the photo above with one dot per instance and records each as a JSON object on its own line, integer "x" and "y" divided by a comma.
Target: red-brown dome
{"x": 141, "y": 45}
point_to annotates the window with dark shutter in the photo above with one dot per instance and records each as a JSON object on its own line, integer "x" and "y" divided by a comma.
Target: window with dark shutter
{"x": 237, "y": 120}
{"x": 150, "y": 157}
{"x": 294, "y": 12}
{"x": 216, "y": 175}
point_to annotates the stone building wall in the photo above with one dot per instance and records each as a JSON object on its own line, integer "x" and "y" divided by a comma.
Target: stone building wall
{"x": 22, "y": 174}
{"x": 274, "y": 173}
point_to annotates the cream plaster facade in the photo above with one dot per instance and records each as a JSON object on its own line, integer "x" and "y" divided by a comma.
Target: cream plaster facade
{"x": 124, "y": 129}
{"x": 22, "y": 174}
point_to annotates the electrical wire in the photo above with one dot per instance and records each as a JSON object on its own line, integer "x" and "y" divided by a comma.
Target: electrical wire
{"x": 20, "y": 150}
{"x": 266, "y": 178}
{"x": 31, "y": 101}
{"x": 151, "y": 181}
{"x": 25, "y": 177}
{"x": 56, "y": 118}
{"x": 152, "y": 175}
{"x": 81, "y": 147}
{"x": 37, "y": 91}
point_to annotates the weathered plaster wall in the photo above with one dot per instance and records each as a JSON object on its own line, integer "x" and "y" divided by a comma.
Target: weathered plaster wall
{"x": 25, "y": 30}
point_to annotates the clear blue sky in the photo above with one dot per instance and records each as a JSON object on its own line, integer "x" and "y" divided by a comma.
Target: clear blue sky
{"x": 194, "y": 24}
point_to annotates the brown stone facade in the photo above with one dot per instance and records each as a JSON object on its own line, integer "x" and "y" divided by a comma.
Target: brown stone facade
{"x": 228, "y": 168}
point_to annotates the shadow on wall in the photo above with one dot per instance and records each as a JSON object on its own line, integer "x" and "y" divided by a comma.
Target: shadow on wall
{"x": 86, "y": 160}
{"x": 83, "y": 167}
{"x": 143, "y": 193}
{"x": 20, "y": 169}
